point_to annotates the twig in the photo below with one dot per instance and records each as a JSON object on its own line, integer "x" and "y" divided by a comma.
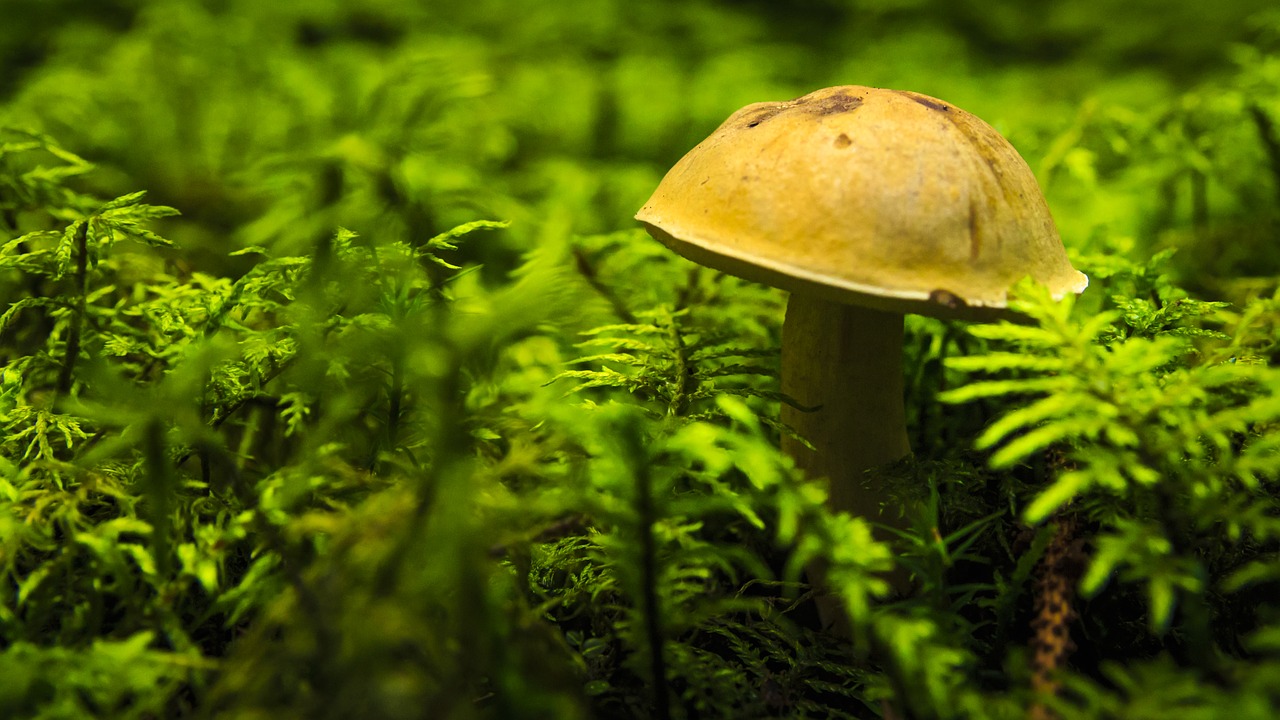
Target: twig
{"x": 588, "y": 273}
{"x": 1051, "y": 642}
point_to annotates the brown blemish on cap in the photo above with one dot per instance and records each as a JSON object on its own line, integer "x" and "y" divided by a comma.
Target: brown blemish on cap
{"x": 975, "y": 231}
{"x": 983, "y": 145}
{"x": 928, "y": 102}
{"x": 765, "y": 114}
{"x": 840, "y": 102}
{"x": 842, "y": 141}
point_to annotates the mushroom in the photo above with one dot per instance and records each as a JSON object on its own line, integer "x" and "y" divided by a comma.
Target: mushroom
{"x": 865, "y": 204}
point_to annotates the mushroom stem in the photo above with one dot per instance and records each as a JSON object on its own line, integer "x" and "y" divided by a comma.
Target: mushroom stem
{"x": 847, "y": 361}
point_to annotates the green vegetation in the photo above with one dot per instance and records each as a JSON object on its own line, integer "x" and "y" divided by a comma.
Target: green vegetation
{"x": 376, "y": 404}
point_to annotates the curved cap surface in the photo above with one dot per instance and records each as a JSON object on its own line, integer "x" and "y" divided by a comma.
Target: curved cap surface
{"x": 868, "y": 196}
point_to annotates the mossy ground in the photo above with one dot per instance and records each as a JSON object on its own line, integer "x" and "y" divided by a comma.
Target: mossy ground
{"x": 378, "y": 405}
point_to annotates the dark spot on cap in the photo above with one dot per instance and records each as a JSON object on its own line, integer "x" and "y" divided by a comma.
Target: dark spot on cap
{"x": 947, "y": 298}
{"x": 842, "y": 141}
{"x": 840, "y": 102}
{"x": 764, "y": 114}
{"x": 929, "y": 102}
{"x": 975, "y": 231}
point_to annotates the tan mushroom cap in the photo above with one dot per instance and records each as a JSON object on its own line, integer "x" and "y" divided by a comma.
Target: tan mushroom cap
{"x": 861, "y": 195}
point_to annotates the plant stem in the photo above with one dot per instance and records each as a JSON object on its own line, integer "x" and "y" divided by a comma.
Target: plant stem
{"x": 395, "y": 397}
{"x": 1270, "y": 142}
{"x": 66, "y": 374}
{"x": 159, "y": 480}
{"x": 684, "y": 383}
{"x": 1197, "y": 615}
{"x": 649, "y": 588}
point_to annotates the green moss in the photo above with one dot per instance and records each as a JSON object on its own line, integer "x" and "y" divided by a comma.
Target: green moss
{"x": 327, "y": 444}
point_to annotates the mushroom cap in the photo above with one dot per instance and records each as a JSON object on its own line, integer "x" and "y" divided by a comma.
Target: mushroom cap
{"x": 883, "y": 198}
